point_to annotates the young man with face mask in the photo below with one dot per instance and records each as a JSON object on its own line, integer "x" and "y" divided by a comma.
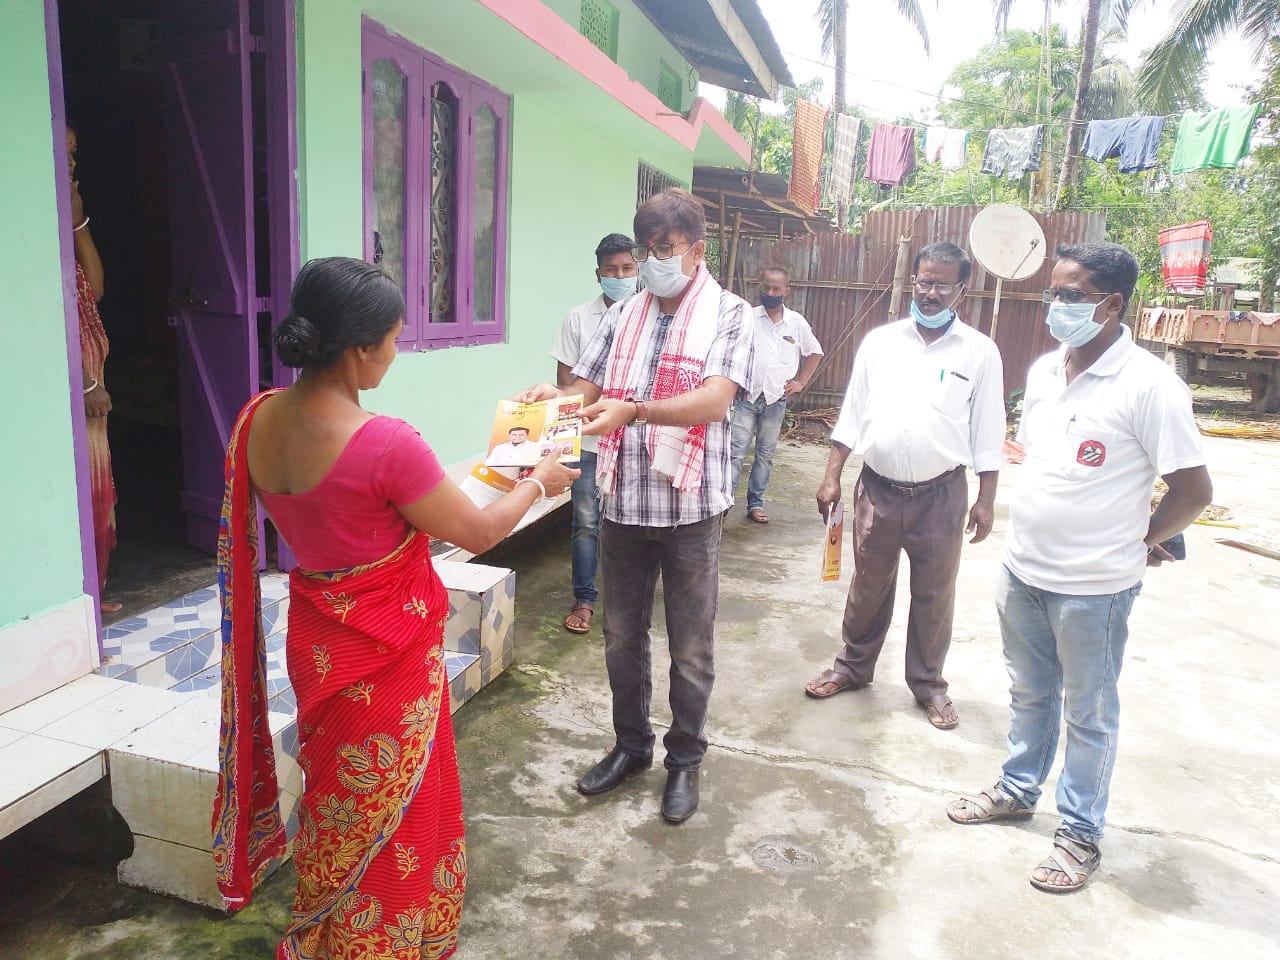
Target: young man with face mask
{"x": 1101, "y": 419}
{"x": 784, "y": 345}
{"x": 925, "y": 402}
{"x": 616, "y": 271}
{"x": 658, "y": 377}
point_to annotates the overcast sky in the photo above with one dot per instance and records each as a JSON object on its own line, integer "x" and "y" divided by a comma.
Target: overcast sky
{"x": 888, "y": 68}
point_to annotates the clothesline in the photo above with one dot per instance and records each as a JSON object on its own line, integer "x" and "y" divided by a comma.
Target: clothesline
{"x": 1033, "y": 115}
{"x": 1216, "y": 138}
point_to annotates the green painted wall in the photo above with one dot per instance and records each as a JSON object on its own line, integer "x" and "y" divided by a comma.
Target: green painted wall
{"x": 574, "y": 153}
{"x": 640, "y": 47}
{"x": 40, "y": 564}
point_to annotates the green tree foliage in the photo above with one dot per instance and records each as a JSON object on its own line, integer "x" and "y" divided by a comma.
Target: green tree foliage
{"x": 1172, "y": 68}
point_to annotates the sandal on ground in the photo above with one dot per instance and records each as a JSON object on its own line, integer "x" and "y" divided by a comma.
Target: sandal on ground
{"x": 110, "y": 606}
{"x": 828, "y": 684}
{"x": 1072, "y": 859}
{"x": 579, "y": 618}
{"x": 757, "y": 515}
{"x": 986, "y": 807}
{"x": 941, "y": 713}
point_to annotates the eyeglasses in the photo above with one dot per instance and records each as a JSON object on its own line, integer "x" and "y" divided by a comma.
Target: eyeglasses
{"x": 941, "y": 289}
{"x": 659, "y": 251}
{"x": 1069, "y": 296}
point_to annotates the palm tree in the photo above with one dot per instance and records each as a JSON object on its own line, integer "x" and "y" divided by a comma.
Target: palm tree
{"x": 1070, "y": 175}
{"x": 833, "y": 16}
{"x": 1171, "y": 69}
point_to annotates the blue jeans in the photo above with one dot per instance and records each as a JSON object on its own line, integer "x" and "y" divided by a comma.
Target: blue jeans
{"x": 1063, "y": 649}
{"x": 584, "y": 534}
{"x": 755, "y": 419}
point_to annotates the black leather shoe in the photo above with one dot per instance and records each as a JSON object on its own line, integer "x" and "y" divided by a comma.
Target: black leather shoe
{"x": 680, "y": 798}
{"x": 612, "y": 770}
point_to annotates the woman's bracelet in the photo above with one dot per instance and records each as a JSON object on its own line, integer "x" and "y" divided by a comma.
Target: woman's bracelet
{"x": 83, "y": 223}
{"x": 93, "y": 385}
{"x": 536, "y": 482}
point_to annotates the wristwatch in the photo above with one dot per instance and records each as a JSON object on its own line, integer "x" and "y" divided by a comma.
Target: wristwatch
{"x": 639, "y": 417}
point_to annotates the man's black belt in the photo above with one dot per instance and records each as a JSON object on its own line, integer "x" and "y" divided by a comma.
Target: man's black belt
{"x": 910, "y": 488}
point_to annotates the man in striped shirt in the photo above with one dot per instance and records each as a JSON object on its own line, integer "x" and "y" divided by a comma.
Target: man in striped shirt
{"x": 659, "y": 376}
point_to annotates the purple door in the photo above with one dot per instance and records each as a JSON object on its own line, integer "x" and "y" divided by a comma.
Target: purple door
{"x": 211, "y": 181}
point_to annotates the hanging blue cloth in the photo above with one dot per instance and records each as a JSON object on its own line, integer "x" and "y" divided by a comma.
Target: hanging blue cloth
{"x": 1133, "y": 139}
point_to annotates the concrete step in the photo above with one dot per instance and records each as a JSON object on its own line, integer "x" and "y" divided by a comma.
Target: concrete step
{"x": 149, "y": 718}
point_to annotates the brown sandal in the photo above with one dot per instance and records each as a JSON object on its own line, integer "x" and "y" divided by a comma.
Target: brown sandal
{"x": 757, "y": 515}
{"x": 579, "y": 618}
{"x": 936, "y": 710}
{"x": 829, "y": 678}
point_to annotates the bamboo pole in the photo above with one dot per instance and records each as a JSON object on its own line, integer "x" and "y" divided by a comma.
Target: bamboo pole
{"x": 733, "y": 250}
{"x": 723, "y": 250}
{"x": 899, "y": 275}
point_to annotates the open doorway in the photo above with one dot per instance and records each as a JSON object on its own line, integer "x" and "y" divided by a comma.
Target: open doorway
{"x": 172, "y": 101}
{"x": 115, "y": 103}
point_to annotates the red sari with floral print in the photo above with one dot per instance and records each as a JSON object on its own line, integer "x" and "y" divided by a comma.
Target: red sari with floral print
{"x": 380, "y": 852}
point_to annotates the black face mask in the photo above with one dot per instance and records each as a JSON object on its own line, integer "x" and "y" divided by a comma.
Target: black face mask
{"x": 770, "y": 303}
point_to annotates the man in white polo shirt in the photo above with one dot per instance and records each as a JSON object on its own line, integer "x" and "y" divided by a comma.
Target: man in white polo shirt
{"x": 1101, "y": 419}
{"x": 926, "y": 400}
{"x": 617, "y": 275}
{"x": 784, "y": 345}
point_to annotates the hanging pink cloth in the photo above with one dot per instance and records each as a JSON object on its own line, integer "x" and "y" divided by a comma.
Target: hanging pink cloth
{"x": 891, "y": 156}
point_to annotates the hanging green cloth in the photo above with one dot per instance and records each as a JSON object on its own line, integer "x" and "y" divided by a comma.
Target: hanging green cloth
{"x": 1219, "y": 138}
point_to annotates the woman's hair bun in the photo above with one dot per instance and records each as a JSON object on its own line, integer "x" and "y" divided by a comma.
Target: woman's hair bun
{"x": 337, "y": 303}
{"x": 298, "y": 342}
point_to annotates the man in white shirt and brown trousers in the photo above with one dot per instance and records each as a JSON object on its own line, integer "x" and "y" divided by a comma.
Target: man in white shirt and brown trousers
{"x": 1101, "y": 419}
{"x": 925, "y": 402}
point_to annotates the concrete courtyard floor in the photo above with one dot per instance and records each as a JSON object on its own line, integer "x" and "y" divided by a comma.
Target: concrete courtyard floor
{"x": 821, "y": 831}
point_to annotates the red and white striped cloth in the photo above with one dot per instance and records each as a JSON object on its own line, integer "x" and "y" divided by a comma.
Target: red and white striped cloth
{"x": 676, "y": 452}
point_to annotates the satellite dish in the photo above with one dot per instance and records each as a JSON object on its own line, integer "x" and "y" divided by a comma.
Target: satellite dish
{"x": 1008, "y": 242}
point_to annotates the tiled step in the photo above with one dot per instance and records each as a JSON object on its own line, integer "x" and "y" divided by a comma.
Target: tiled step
{"x": 164, "y": 774}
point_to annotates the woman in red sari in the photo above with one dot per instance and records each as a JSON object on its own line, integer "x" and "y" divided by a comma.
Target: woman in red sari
{"x": 93, "y": 358}
{"x": 380, "y": 851}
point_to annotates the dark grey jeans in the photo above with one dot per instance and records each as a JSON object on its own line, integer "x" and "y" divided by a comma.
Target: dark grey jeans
{"x": 688, "y": 557}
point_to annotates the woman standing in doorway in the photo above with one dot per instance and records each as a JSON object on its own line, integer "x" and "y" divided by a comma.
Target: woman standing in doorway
{"x": 93, "y": 356}
{"x": 380, "y": 851}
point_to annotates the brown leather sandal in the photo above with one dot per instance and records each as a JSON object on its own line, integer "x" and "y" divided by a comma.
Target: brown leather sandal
{"x": 579, "y": 618}
{"x": 828, "y": 684}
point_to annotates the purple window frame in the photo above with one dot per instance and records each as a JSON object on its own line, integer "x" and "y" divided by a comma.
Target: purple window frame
{"x": 421, "y": 70}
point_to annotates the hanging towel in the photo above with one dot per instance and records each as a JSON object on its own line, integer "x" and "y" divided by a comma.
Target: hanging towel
{"x": 1013, "y": 151}
{"x": 843, "y": 155}
{"x": 1133, "y": 139}
{"x": 808, "y": 140}
{"x": 945, "y": 146}
{"x": 1219, "y": 138}
{"x": 1184, "y": 256}
{"x": 891, "y": 155}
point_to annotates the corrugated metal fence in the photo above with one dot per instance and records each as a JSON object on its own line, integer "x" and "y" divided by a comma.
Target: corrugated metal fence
{"x": 843, "y": 284}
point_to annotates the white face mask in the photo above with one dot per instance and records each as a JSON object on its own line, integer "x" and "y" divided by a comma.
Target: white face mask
{"x": 1072, "y": 324}
{"x": 665, "y": 278}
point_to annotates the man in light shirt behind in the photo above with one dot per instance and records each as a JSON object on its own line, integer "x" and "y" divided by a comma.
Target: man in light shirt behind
{"x": 784, "y": 345}
{"x": 617, "y": 274}
{"x": 925, "y": 401}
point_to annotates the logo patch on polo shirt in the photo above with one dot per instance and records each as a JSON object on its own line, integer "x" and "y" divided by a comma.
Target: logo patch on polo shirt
{"x": 1092, "y": 453}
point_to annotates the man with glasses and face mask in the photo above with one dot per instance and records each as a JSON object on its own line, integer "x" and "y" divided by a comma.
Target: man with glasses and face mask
{"x": 658, "y": 378}
{"x": 1101, "y": 419}
{"x": 925, "y": 401}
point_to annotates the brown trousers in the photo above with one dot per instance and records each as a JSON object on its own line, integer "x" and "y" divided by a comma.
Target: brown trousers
{"x": 927, "y": 521}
